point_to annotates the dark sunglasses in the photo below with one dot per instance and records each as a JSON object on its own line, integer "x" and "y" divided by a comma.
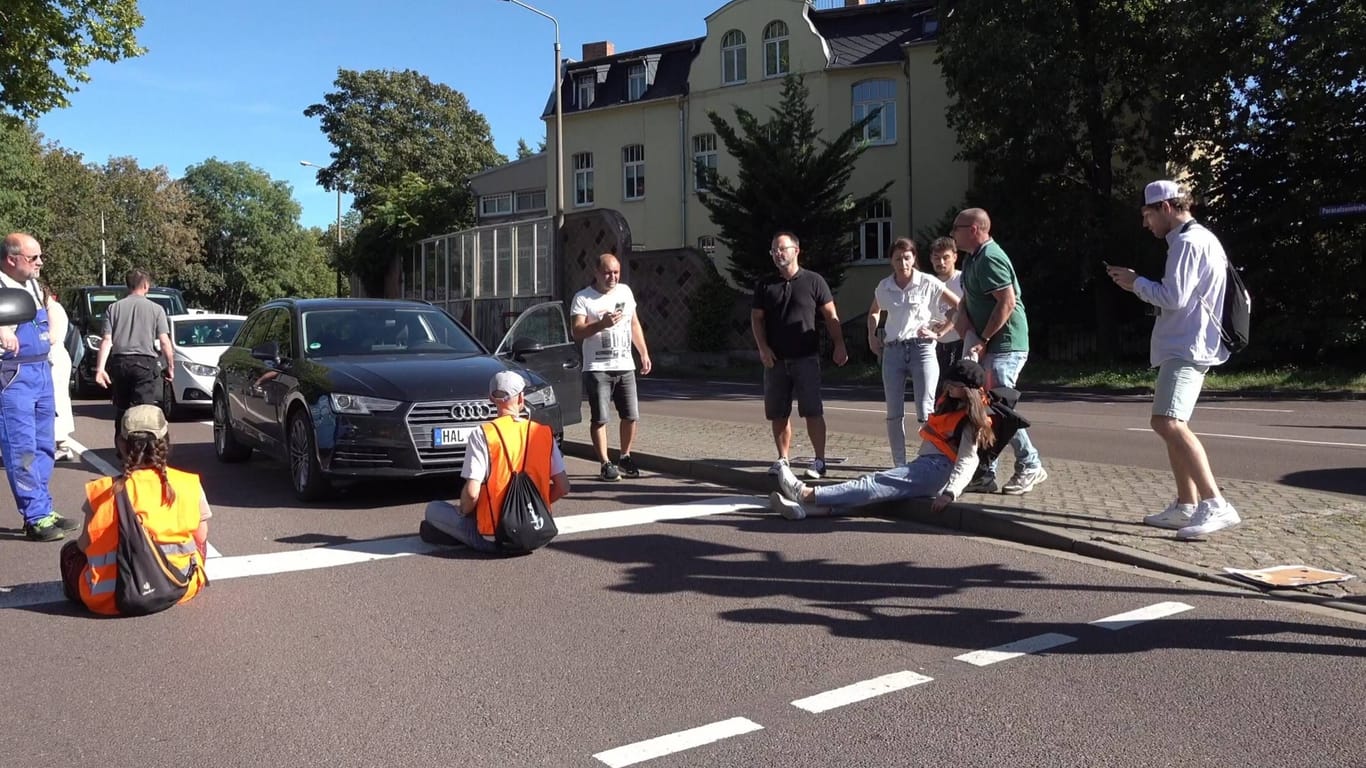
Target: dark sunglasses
{"x": 32, "y": 258}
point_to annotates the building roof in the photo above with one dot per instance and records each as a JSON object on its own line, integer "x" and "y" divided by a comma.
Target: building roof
{"x": 875, "y": 32}
{"x": 672, "y": 63}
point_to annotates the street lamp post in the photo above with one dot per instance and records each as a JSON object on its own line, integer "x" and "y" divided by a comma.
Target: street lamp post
{"x": 339, "y": 225}
{"x": 559, "y": 144}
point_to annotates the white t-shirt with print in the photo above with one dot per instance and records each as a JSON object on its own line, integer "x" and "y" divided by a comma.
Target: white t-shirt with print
{"x": 908, "y": 309}
{"x": 941, "y": 313}
{"x": 608, "y": 349}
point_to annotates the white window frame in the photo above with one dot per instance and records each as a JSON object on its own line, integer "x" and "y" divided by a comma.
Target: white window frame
{"x": 585, "y": 90}
{"x": 733, "y": 54}
{"x": 776, "y": 43}
{"x": 879, "y": 219}
{"x": 636, "y": 84}
{"x": 704, "y": 154}
{"x": 495, "y": 205}
{"x": 633, "y": 172}
{"x": 526, "y": 200}
{"x": 868, "y": 95}
{"x": 707, "y": 244}
{"x": 583, "y": 179}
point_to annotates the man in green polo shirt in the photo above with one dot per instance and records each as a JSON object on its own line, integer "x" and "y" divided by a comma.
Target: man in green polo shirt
{"x": 995, "y": 332}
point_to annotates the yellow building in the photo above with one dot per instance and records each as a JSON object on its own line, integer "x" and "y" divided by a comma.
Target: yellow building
{"x": 636, "y": 126}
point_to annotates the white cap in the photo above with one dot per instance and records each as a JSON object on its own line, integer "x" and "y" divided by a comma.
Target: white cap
{"x": 506, "y": 385}
{"x": 1158, "y": 191}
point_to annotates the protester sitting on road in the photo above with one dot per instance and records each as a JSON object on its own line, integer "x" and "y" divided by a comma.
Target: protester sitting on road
{"x": 960, "y": 424}
{"x": 171, "y": 503}
{"x": 493, "y": 453}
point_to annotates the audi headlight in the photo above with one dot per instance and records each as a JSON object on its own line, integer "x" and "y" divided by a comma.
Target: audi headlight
{"x": 92, "y": 342}
{"x": 199, "y": 369}
{"x": 543, "y": 397}
{"x": 360, "y": 404}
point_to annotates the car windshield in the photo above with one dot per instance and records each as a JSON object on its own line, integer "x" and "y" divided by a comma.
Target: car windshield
{"x": 99, "y": 302}
{"x": 372, "y": 331}
{"x": 205, "y": 333}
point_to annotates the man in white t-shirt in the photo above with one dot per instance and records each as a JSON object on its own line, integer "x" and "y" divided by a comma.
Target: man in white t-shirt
{"x": 605, "y": 320}
{"x": 944, "y": 261}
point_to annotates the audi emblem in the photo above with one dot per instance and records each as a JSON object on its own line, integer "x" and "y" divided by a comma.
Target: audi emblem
{"x": 471, "y": 411}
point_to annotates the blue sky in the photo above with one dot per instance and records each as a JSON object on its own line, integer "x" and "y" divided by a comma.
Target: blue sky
{"x": 231, "y": 79}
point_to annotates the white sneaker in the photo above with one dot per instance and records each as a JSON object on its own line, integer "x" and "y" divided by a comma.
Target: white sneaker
{"x": 1210, "y": 515}
{"x": 776, "y": 467}
{"x": 817, "y": 469}
{"x": 1175, "y": 516}
{"x": 1024, "y": 481}
{"x": 786, "y": 507}
{"x": 790, "y": 486}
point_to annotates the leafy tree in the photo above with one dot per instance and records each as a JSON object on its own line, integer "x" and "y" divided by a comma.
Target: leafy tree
{"x": 21, "y": 179}
{"x": 73, "y": 195}
{"x": 523, "y": 150}
{"x": 254, "y": 248}
{"x": 789, "y": 179}
{"x": 39, "y": 36}
{"x": 150, "y": 222}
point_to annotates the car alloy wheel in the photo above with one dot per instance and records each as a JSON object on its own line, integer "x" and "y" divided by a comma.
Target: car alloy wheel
{"x": 306, "y": 475}
{"x": 225, "y": 444}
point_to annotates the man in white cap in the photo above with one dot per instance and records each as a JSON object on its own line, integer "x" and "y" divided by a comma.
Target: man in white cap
{"x": 509, "y": 443}
{"x": 1185, "y": 343}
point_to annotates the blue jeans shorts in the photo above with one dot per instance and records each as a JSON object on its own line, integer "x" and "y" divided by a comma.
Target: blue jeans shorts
{"x": 1178, "y": 387}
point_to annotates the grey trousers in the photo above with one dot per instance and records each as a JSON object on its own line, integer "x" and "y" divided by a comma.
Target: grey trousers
{"x": 446, "y": 517}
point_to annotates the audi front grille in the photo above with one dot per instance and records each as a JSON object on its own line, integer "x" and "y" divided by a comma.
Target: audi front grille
{"x": 423, "y": 418}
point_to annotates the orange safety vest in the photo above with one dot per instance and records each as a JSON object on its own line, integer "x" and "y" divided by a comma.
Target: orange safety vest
{"x": 172, "y": 528}
{"x": 501, "y": 466}
{"x": 945, "y": 430}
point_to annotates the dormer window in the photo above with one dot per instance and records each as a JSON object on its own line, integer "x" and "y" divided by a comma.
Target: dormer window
{"x": 775, "y": 49}
{"x": 733, "y": 57}
{"x": 585, "y": 88}
{"x": 635, "y": 82}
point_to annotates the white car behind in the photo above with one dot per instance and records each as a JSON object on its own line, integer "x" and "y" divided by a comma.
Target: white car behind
{"x": 199, "y": 340}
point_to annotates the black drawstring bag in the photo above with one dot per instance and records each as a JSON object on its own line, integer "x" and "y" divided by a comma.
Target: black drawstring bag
{"x": 147, "y": 580}
{"x": 525, "y": 524}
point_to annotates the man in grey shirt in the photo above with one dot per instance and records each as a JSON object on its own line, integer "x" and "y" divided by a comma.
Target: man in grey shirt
{"x": 131, "y": 327}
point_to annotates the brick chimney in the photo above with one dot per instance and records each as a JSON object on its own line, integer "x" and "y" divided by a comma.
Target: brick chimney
{"x": 598, "y": 50}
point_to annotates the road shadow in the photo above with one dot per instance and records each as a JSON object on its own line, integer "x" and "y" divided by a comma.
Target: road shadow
{"x": 1346, "y": 480}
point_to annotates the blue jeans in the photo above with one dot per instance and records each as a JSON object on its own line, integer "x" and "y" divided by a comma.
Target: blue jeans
{"x": 445, "y": 517}
{"x": 922, "y": 478}
{"x": 1003, "y": 370}
{"x": 918, "y": 360}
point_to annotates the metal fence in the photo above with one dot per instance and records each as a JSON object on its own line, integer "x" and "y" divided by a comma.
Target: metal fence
{"x": 485, "y": 276}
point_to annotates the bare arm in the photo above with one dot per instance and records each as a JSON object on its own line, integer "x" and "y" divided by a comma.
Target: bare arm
{"x": 874, "y": 343}
{"x": 469, "y": 497}
{"x": 581, "y": 329}
{"x": 168, "y": 352}
{"x": 101, "y": 375}
{"x": 559, "y": 487}
{"x": 832, "y": 326}
{"x": 638, "y": 338}
{"x": 756, "y": 326}
{"x": 1005, "y": 305}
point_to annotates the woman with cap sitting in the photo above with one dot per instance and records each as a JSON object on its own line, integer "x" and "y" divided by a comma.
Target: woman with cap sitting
{"x": 959, "y": 425}
{"x": 171, "y": 504}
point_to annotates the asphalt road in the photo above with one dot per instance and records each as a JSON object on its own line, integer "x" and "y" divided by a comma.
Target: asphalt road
{"x": 1318, "y": 445}
{"x": 729, "y": 635}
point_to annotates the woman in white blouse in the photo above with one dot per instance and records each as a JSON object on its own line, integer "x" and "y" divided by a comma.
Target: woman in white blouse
{"x": 58, "y": 323}
{"x": 911, "y": 299}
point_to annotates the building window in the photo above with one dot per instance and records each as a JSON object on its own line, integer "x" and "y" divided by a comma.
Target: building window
{"x": 635, "y": 82}
{"x": 775, "y": 49}
{"x": 633, "y": 171}
{"x": 874, "y": 94}
{"x": 875, "y": 231}
{"x": 733, "y": 57}
{"x": 495, "y": 205}
{"x": 707, "y": 244}
{"x": 703, "y": 158}
{"x": 585, "y": 89}
{"x": 583, "y": 179}
{"x": 530, "y": 201}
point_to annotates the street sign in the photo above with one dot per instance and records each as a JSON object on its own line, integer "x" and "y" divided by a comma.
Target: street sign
{"x": 1341, "y": 210}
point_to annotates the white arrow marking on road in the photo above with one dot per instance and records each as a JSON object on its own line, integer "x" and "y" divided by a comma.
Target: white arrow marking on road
{"x": 1018, "y": 648}
{"x": 1266, "y": 439}
{"x": 860, "y": 691}
{"x": 677, "y": 742}
{"x": 1140, "y": 615}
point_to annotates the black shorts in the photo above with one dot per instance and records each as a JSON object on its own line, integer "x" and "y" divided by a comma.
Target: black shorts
{"x": 800, "y": 377}
{"x": 617, "y": 387}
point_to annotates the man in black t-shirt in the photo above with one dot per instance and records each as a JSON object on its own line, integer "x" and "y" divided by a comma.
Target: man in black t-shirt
{"x": 783, "y": 319}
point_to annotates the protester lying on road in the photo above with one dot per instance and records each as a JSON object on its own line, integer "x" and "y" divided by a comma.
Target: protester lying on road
{"x": 960, "y": 424}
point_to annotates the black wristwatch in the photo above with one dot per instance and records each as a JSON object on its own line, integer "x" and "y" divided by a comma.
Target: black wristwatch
{"x": 952, "y": 496}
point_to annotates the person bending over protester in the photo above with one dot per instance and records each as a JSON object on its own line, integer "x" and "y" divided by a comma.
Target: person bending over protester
{"x": 170, "y": 502}
{"x": 960, "y": 424}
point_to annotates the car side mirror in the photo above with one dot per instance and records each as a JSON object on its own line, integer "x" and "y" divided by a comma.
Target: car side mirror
{"x": 524, "y": 344}
{"x": 268, "y": 352}
{"x": 16, "y": 306}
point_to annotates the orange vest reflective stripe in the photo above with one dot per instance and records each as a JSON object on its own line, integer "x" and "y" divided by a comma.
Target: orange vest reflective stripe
{"x": 172, "y": 528}
{"x": 945, "y": 430}
{"x": 501, "y": 466}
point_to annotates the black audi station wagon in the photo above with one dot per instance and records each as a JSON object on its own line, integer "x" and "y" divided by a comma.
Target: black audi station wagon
{"x": 379, "y": 388}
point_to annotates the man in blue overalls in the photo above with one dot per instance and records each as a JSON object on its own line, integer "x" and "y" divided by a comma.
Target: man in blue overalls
{"x": 27, "y": 408}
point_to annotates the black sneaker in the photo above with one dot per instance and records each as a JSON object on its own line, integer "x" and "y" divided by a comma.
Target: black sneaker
{"x": 65, "y": 523}
{"x": 628, "y": 466}
{"x": 44, "y": 530}
{"x": 433, "y": 535}
{"x": 609, "y": 472}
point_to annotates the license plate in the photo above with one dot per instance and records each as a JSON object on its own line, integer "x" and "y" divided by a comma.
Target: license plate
{"x": 451, "y": 436}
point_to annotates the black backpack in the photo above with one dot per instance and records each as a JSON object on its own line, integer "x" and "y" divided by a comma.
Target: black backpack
{"x": 147, "y": 580}
{"x": 525, "y": 524}
{"x": 1236, "y": 323}
{"x": 1005, "y": 422}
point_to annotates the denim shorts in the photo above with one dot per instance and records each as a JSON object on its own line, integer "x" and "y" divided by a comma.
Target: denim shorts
{"x": 799, "y": 377}
{"x": 1178, "y": 387}
{"x": 611, "y": 388}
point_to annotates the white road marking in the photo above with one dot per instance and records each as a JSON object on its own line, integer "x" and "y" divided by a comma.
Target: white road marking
{"x": 1130, "y": 618}
{"x": 1267, "y": 439}
{"x": 1018, "y": 648}
{"x": 1252, "y": 410}
{"x": 239, "y": 566}
{"x": 677, "y": 742}
{"x": 87, "y": 455}
{"x": 860, "y": 691}
{"x": 857, "y": 410}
